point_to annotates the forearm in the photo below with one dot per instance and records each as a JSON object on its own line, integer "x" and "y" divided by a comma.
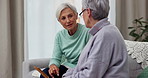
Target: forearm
{"x": 55, "y": 62}
{"x": 91, "y": 69}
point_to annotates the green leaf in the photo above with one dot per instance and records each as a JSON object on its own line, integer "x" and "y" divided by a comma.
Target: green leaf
{"x": 146, "y": 22}
{"x": 140, "y": 18}
{"x": 146, "y": 37}
{"x": 141, "y": 26}
{"x": 146, "y": 30}
{"x": 131, "y": 27}
{"x": 134, "y": 34}
{"x": 132, "y": 31}
{"x": 140, "y": 22}
{"x": 143, "y": 32}
{"x": 138, "y": 37}
{"x": 146, "y": 26}
{"x": 145, "y": 40}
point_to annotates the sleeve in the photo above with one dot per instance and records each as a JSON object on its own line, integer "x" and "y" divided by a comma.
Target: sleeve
{"x": 57, "y": 53}
{"x": 90, "y": 70}
{"x": 96, "y": 64}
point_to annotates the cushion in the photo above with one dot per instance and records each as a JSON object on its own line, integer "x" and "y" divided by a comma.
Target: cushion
{"x": 139, "y": 51}
{"x": 144, "y": 73}
{"x": 134, "y": 68}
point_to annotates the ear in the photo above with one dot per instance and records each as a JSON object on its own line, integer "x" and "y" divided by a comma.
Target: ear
{"x": 77, "y": 16}
{"x": 58, "y": 20}
{"x": 89, "y": 12}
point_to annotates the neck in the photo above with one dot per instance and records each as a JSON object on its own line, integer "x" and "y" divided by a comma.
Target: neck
{"x": 93, "y": 22}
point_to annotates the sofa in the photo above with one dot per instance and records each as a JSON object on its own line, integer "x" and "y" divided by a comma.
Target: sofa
{"x": 137, "y": 58}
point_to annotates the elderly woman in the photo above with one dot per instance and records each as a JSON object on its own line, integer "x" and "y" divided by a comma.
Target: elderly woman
{"x": 105, "y": 55}
{"x": 68, "y": 42}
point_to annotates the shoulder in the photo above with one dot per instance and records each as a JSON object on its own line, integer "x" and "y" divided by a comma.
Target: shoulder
{"x": 62, "y": 33}
{"x": 105, "y": 33}
{"x": 83, "y": 27}
{"x": 109, "y": 33}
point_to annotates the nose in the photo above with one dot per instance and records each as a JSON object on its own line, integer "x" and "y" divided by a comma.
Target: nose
{"x": 67, "y": 20}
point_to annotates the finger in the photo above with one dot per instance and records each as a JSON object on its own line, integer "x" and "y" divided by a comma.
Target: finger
{"x": 54, "y": 70}
{"x": 57, "y": 71}
{"x": 51, "y": 73}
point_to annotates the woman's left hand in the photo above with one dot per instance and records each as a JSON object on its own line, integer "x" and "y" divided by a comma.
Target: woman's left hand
{"x": 53, "y": 70}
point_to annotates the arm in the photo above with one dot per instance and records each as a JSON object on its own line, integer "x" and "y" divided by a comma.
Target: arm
{"x": 56, "y": 58}
{"x": 94, "y": 66}
{"x": 57, "y": 53}
{"x": 102, "y": 61}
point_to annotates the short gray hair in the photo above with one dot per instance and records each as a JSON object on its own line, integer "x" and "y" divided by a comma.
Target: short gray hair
{"x": 62, "y": 7}
{"x": 100, "y": 8}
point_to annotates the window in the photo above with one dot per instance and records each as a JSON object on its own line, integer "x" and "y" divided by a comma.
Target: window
{"x": 41, "y": 25}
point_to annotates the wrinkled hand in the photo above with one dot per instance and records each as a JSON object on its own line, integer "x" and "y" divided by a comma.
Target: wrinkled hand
{"x": 53, "y": 70}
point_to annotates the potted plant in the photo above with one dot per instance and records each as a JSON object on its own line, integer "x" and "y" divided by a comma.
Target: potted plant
{"x": 140, "y": 30}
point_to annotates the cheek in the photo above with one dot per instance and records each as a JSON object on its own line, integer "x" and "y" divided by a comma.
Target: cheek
{"x": 86, "y": 22}
{"x": 62, "y": 22}
{"x": 84, "y": 19}
{"x": 74, "y": 18}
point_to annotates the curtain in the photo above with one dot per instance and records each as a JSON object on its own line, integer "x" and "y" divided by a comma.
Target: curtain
{"x": 11, "y": 38}
{"x": 127, "y": 11}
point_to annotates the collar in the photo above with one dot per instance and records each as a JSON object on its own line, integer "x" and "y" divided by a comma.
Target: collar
{"x": 98, "y": 26}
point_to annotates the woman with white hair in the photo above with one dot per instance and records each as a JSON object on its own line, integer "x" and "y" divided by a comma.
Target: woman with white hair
{"x": 105, "y": 54}
{"x": 68, "y": 42}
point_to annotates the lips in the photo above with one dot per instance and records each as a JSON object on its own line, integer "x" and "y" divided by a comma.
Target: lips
{"x": 69, "y": 25}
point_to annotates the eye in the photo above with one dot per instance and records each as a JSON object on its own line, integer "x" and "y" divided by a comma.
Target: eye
{"x": 63, "y": 18}
{"x": 70, "y": 15}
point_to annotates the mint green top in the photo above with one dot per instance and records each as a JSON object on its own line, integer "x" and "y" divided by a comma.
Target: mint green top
{"x": 69, "y": 46}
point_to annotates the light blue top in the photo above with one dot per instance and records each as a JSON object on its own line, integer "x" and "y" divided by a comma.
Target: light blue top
{"x": 69, "y": 46}
{"x": 104, "y": 56}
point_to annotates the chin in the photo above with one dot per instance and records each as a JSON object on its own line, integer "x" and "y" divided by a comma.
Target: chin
{"x": 88, "y": 26}
{"x": 69, "y": 28}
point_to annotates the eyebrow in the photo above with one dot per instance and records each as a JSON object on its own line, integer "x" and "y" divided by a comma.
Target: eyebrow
{"x": 70, "y": 14}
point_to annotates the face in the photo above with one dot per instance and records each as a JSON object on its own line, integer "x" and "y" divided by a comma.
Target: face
{"x": 86, "y": 18}
{"x": 68, "y": 19}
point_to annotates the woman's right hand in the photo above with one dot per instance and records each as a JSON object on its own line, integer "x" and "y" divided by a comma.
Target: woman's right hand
{"x": 53, "y": 70}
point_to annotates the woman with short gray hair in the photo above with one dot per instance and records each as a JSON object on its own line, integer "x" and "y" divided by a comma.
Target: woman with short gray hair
{"x": 105, "y": 55}
{"x": 63, "y": 6}
{"x": 99, "y": 8}
{"x": 68, "y": 42}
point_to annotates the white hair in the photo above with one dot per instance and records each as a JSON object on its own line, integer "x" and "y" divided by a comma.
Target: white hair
{"x": 100, "y": 8}
{"x": 62, "y": 7}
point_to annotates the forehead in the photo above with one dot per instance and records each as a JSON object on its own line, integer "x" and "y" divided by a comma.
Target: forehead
{"x": 66, "y": 11}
